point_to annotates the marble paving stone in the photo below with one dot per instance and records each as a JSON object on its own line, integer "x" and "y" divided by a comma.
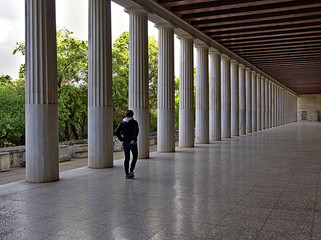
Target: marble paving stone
{"x": 259, "y": 201}
{"x": 292, "y": 215}
{"x": 170, "y": 236}
{"x": 246, "y": 217}
{"x": 316, "y": 229}
{"x": 288, "y": 227}
{"x": 295, "y": 201}
{"x": 150, "y": 225}
{"x": 234, "y": 233}
{"x": 267, "y": 235}
{"x": 21, "y": 234}
{"x": 52, "y": 225}
{"x": 127, "y": 233}
{"x": 188, "y": 229}
{"x": 80, "y": 214}
{"x": 226, "y": 190}
{"x": 85, "y": 231}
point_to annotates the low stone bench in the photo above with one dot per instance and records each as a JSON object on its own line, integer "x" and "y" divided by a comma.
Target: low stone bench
{"x": 80, "y": 151}
{"x": 5, "y": 161}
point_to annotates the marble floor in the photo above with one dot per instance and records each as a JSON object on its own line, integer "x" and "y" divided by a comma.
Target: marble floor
{"x": 264, "y": 185}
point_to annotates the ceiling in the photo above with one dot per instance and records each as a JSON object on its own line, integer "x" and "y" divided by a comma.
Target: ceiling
{"x": 280, "y": 37}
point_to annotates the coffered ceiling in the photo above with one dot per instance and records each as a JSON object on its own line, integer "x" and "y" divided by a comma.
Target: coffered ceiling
{"x": 279, "y": 37}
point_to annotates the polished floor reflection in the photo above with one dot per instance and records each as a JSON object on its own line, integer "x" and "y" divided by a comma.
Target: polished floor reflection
{"x": 265, "y": 185}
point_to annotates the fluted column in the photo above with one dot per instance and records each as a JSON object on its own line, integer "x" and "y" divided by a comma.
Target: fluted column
{"x": 215, "y": 95}
{"x": 274, "y": 105}
{"x": 138, "y": 95}
{"x": 41, "y": 97}
{"x": 262, "y": 103}
{"x": 270, "y": 103}
{"x": 279, "y": 104}
{"x": 234, "y": 98}
{"x": 258, "y": 99}
{"x": 202, "y": 93}
{"x": 186, "y": 92}
{"x": 254, "y": 102}
{"x": 100, "y": 108}
{"x": 242, "y": 100}
{"x": 226, "y": 96}
{"x": 266, "y": 103}
{"x": 166, "y": 89}
{"x": 248, "y": 89}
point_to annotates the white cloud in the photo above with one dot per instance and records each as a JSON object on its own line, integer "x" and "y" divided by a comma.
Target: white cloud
{"x": 72, "y": 14}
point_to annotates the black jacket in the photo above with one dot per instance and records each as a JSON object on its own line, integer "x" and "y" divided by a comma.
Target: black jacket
{"x": 129, "y": 129}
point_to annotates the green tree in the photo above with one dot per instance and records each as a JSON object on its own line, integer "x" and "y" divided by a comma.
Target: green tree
{"x": 121, "y": 73}
{"x": 72, "y": 102}
{"x": 12, "y": 113}
{"x": 120, "y": 68}
{"x": 72, "y": 77}
{"x": 72, "y": 58}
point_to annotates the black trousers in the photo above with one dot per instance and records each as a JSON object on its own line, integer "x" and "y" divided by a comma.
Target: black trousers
{"x": 127, "y": 149}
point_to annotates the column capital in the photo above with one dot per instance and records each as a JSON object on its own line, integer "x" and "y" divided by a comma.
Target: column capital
{"x": 234, "y": 61}
{"x": 137, "y": 10}
{"x": 214, "y": 51}
{"x": 225, "y": 57}
{"x": 241, "y": 66}
{"x": 164, "y": 25}
{"x": 184, "y": 36}
{"x": 248, "y": 69}
{"x": 199, "y": 44}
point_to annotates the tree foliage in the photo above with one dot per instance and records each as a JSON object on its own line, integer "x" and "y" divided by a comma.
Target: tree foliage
{"x": 72, "y": 58}
{"x": 72, "y": 74}
{"x": 121, "y": 74}
{"x": 72, "y": 107}
{"x": 12, "y": 114}
{"x": 72, "y": 78}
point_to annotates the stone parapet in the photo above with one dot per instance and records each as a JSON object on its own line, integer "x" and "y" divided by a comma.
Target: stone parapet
{"x": 15, "y": 156}
{"x": 4, "y": 161}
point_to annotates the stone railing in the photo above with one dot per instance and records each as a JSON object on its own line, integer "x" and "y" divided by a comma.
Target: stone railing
{"x": 15, "y": 156}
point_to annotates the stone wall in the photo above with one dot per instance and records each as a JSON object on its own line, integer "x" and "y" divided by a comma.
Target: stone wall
{"x": 67, "y": 150}
{"x": 309, "y": 107}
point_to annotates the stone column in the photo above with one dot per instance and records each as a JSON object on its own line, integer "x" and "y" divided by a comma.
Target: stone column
{"x": 273, "y": 102}
{"x": 279, "y": 106}
{"x": 266, "y": 103}
{"x": 138, "y": 95}
{"x": 258, "y": 98}
{"x": 262, "y": 103}
{"x": 242, "y": 101}
{"x": 202, "y": 92}
{"x": 226, "y": 96}
{"x": 186, "y": 92}
{"x": 270, "y": 104}
{"x": 100, "y": 102}
{"x": 274, "y": 106}
{"x": 254, "y": 102}
{"x": 234, "y": 98}
{"x": 215, "y": 96}
{"x": 41, "y": 97}
{"x": 248, "y": 93}
{"x": 166, "y": 89}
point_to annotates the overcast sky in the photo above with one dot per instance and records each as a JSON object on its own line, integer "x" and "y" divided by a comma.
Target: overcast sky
{"x": 72, "y": 14}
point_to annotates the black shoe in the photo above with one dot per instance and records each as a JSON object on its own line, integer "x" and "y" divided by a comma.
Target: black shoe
{"x": 127, "y": 176}
{"x": 131, "y": 175}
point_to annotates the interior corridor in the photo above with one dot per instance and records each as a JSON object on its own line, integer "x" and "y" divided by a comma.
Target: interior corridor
{"x": 264, "y": 185}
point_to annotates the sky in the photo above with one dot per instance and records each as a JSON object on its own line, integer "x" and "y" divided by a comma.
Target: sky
{"x": 12, "y": 27}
